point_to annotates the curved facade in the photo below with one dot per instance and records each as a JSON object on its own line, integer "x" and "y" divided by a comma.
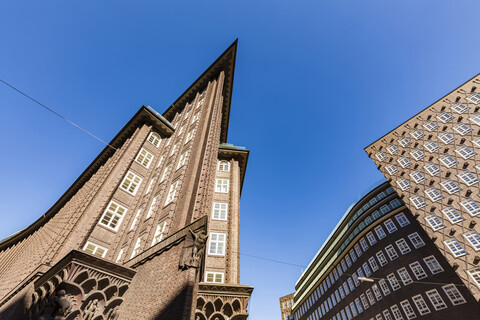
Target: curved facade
{"x": 378, "y": 263}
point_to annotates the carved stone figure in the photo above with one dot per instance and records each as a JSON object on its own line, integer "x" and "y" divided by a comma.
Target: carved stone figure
{"x": 58, "y": 307}
{"x": 90, "y": 310}
{"x": 193, "y": 249}
{"x": 113, "y": 314}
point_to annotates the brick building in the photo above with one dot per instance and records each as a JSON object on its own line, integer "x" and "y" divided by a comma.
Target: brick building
{"x": 379, "y": 264}
{"x": 150, "y": 230}
{"x": 286, "y": 304}
{"x": 432, "y": 160}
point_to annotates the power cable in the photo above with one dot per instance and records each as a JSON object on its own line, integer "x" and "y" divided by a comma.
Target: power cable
{"x": 57, "y": 114}
{"x": 272, "y": 260}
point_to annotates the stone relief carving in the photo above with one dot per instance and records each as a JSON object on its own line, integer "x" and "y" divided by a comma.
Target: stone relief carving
{"x": 78, "y": 293}
{"x": 193, "y": 249}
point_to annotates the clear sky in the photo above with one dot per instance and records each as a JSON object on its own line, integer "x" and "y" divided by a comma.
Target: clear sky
{"x": 315, "y": 82}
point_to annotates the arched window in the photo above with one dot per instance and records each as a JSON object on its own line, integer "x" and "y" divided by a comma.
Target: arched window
{"x": 154, "y": 138}
{"x": 223, "y": 165}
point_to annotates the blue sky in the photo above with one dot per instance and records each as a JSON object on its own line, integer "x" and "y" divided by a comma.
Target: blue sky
{"x": 315, "y": 82}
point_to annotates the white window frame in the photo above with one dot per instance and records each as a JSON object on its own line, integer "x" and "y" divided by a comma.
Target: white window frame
{"x": 473, "y": 238}
{"x": 131, "y": 179}
{"x": 404, "y": 276}
{"x": 217, "y": 243}
{"x": 219, "y": 211}
{"x": 446, "y": 137}
{"x": 431, "y": 146}
{"x": 474, "y": 97}
{"x": 417, "y": 154}
{"x": 153, "y": 206}
{"x": 417, "y": 176}
{"x": 380, "y": 232}
{"x": 373, "y": 264}
{"x": 433, "y": 194}
{"x": 475, "y": 118}
{"x": 448, "y": 161}
{"x": 393, "y": 282}
{"x": 371, "y": 238}
{"x": 404, "y": 162}
{"x": 436, "y": 299}
{"x": 465, "y": 152}
{"x": 453, "y": 215}
{"x": 450, "y": 186}
{"x": 144, "y": 158}
{"x": 190, "y": 135}
{"x": 404, "y": 184}
{"x": 416, "y": 240}
{"x": 475, "y": 275}
{"x": 392, "y": 149}
{"x": 137, "y": 247}
{"x": 222, "y": 185}
{"x": 172, "y": 192}
{"x": 402, "y": 219}
{"x": 223, "y": 165}
{"x": 403, "y": 246}
{"x": 381, "y": 258}
{"x": 408, "y": 309}
{"x": 454, "y": 294}
{"x": 432, "y": 169}
{"x": 421, "y": 304}
{"x": 417, "y": 134}
{"x": 390, "y": 225}
{"x": 445, "y": 117}
{"x": 391, "y": 252}
{"x": 435, "y": 222}
{"x": 95, "y": 249}
{"x": 468, "y": 178}
{"x": 418, "y": 201}
{"x": 471, "y": 206}
{"x": 214, "y": 277}
{"x": 433, "y": 264}
{"x": 462, "y": 128}
{"x": 381, "y": 156}
{"x": 391, "y": 169}
{"x": 405, "y": 142}
{"x": 154, "y": 138}
{"x": 430, "y": 125}
{"x": 460, "y": 108}
{"x": 417, "y": 270}
{"x": 159, "y": 233}
{"x": 114, "y": 213}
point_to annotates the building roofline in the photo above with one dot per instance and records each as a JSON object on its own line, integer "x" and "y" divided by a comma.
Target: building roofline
{"x": 225, "y": 62}
{"x": 144, "y": 115}
{"x": 418, "y": 113}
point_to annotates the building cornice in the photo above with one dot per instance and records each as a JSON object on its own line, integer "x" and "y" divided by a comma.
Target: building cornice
{"x": 145, "y": 115}
{"x": 228, "y": 151}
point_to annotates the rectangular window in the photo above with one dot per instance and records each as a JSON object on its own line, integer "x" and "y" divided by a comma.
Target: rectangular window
{"x": 396, "y": 312}
{"x": 462, "y": 128}
{"x": 392, "y": 149}
{"x": 453, "y": 294}
{"x": 222, "y": 185}
{"x": 417, "y": 134}
{"x": 112, "y": 217}
{"x": 421, "y": 305}
{"x": 436, "y": 299}
{"x": 433, "y": 194}
{"x": 460, "y": 108}
{"x": 380, "y": 233}
{"x": 404, "y": 162}
{"x": 354, "y": 310}
{"x": 371, "y": 238}
{"x": 366, "y": 268}
{"x": 95, "y": 249}
{"x": 465, "y": 152}
{"x": 135, "y": 219}
{"x": 381, "y": 156}
{"x": 445, "y": 117}
{"x": 159, "y": 233}
{"x": 475, "y": 275}
{"x": 358, "y": 250}
{"x": 391, "y": 169}
{"x": 418, "y": 201}
{"x": 153, "y": 206}
{"x": 430, "y": 125}
{"x": 407, "y": 308}
{"x": 219, "y": 211}
{"x": 476, "y": 118}
{"x": 154, "y": 139}
{"x": 446, "y": 137}
{"x": 182, "y": 160}
{"x": 384, "y": 209}
{"x": 150, "y": 186}
{"x": 172, "y": 191}
{"x": 174, "y": 149}
{"x": 392, "y": 254}
{"x": 393, "y": 281}
{"x": 390, "y": 226}
{"x": 353, "y": 255}
{"x": 448, "y": 160}
{"x": 404, "y": 276}
{"x": 452, "y": 215}
{"x": 455, "y": 247}
{"x": 195, "y": 117}
{"x": 350, "y": 284}
{"x": 345, "y": 288}
{"x": 214, "y": 277}
{"x": 433, "y": 264}
{"x": 416, "y": 240}
{"x": 120, "y": 255}
{"x": 364, "y": 244}
{"x": 383, "y": 284}
{"x": 468, "y": 178}
{"x": 190, "y": 135}
{"x": 144, "y": 158}
{"x": 395, "y": 203}
{"x": 403, "y": 184}
{"x": 364, "y": 301}
{"x": 418, "y": 270}
{"x": 434, "y": 222}
{"x": 417, "y": 176}
{"x": 217, "y": 244}
{"x": 474, "y": 97}
{"x": 377, "y": 293}
{"x": 373, "y": 263}
{"x": 402, "y": 219}
{"x": 370, "y": 297}
{"x": 165, "y": 172}
{"x": 431, "y": 146}
{"x": 381, "y": 258}
{"x": 131, "y": 182}
{"x": 405, "y": 142}
{"x": 417, "y": 154}
{"x": 432, "y": 169}
{"x": 474, "y": 238}
{"x": 402, "y": 246}
{"x": 137, "y": 248}
{"x": 471, "y": 206}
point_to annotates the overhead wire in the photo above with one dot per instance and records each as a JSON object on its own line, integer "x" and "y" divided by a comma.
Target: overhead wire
{"x": 57, "y": 114}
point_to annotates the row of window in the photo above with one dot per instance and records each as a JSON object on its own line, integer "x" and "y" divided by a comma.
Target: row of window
{"x": 359, "y": 248}
{"x": 373, "y": 295}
